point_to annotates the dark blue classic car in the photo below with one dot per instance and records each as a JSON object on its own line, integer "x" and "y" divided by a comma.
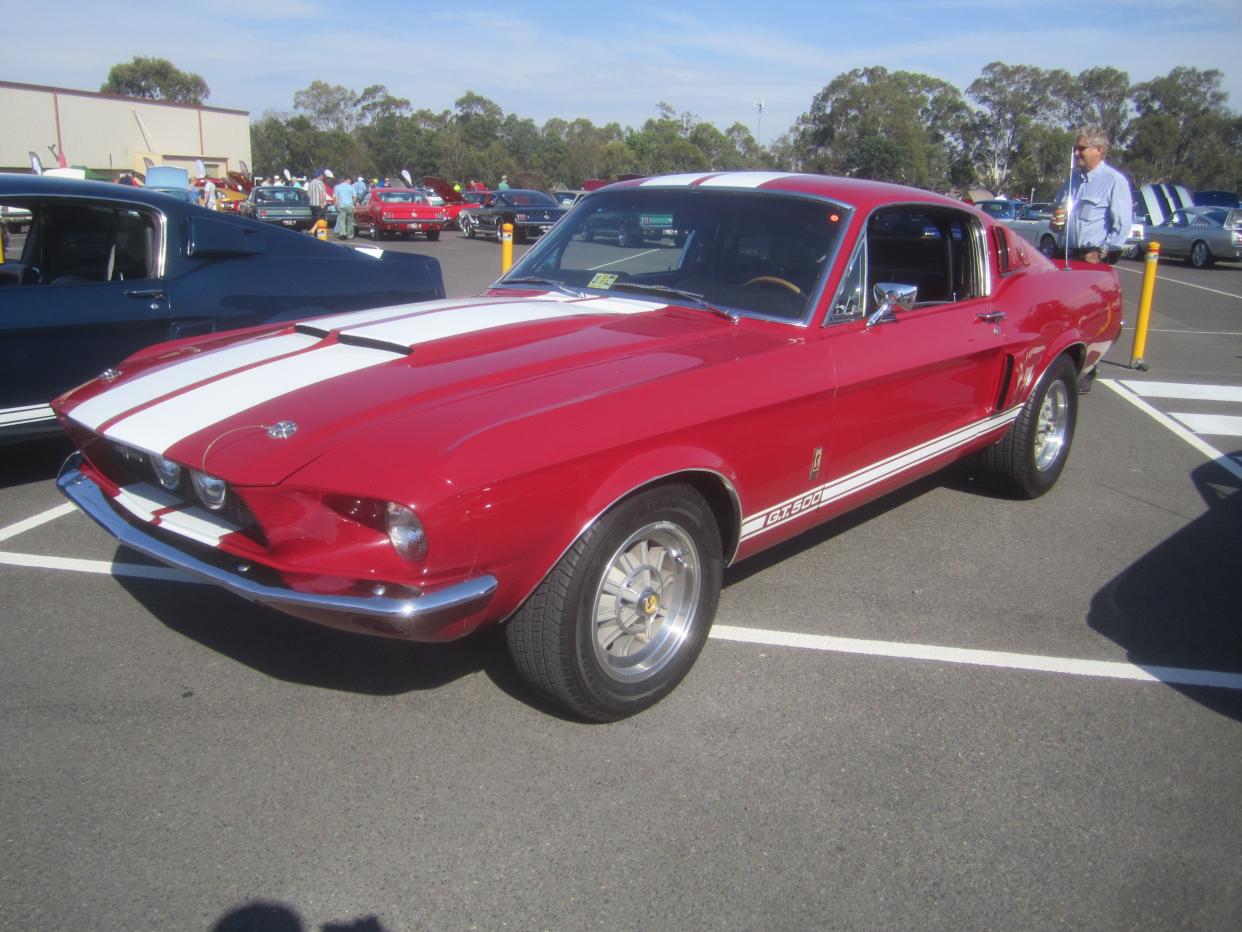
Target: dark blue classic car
{"x": 106, "y": 269}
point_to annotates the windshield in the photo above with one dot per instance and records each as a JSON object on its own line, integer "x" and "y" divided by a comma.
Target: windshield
{"x": 749, "y": 252}
{"x": 281, "y": 196}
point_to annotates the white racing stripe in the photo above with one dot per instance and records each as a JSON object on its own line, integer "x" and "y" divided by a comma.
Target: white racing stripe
{"x": 158, "y": 427}
{"x": 743, "y": 179}
{"x": 185, "y": 372}
{"x": 1185, "y": 676}
{"x": 424, "y": 328}
{"x": 675, "y": 181}
{"x": 145, "y": 500}
{"x": 198, "y": 525}
{"x": 378, "y": 314}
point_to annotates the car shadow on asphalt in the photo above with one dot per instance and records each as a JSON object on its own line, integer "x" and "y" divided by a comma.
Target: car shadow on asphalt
{"x": 1179, "y": 604}
{"x": 297, "y": 651}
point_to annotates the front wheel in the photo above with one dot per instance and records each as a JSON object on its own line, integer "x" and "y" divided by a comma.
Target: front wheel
{"x": 467, "y": 228}
{"x": 623, "y": 615}
{"x": 1028, "y": 460}
{"x": 1048, "y": 246}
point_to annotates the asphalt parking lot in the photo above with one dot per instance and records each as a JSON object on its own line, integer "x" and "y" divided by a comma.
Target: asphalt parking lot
{"x": 947, "y": 711}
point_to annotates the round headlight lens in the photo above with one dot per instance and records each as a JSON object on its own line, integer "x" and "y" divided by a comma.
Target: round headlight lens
{"x": 405, "y": 532}
{"x": 210, "y": 490}
{"x": 167, "y": 473}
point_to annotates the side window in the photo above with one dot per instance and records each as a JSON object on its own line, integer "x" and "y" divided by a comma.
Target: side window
{"x": 83, "y": 242}
{"x": 939, "y": 250}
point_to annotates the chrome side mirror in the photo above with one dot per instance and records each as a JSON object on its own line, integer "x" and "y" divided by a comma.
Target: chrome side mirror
{"x": 890, "y": 296}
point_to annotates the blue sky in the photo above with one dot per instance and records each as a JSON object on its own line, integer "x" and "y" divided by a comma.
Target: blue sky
{"x": 612, "y": 61}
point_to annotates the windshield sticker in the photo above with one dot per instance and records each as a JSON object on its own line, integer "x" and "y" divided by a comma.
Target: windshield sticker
{"x": 603, "y": 281}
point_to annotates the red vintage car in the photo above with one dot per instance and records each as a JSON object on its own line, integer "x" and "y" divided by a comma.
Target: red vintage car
{"x": 577, "y": 453}
{"x": 454, "y": 201}
{"x": 384, "y": 212}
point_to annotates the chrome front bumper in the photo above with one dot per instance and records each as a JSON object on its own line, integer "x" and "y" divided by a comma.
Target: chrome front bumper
{"x": 442, "y": 615}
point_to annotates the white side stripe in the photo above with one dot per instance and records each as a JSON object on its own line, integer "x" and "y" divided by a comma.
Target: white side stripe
{"x": 187, "y": 371}
{"x": 816, "y": 498}
{"x": 158, "y": 427}
{"x": 26, "y": 415}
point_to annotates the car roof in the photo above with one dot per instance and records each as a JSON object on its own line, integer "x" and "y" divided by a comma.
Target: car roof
{"x": 864, "y": 195}
{"x": 13, "y": 184}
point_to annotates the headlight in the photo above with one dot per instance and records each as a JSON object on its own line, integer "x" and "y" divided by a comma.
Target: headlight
{"x": 210, "y": 490}
{"x": 405, "y": 532}
{"x": 167, "y": 473}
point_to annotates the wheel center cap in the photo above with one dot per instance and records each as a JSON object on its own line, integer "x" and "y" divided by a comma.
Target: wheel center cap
{"x": 649, "y": 604}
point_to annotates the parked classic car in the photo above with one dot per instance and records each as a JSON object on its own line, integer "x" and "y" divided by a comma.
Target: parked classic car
{"x": 1202, "y": 236}
{"x": 453, "y": 201}
{"x": 282, "y": 205}
{"x": 107, "y": 269}
{"x": 532, "y": 213}
{"x": 579, "y": 452}
{"x": 399, "y": 212}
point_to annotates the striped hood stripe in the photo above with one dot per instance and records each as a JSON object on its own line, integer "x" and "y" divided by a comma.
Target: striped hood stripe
{"x": 157, "y": 410}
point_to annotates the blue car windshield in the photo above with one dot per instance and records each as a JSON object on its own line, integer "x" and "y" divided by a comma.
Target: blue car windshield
{"x": 747, "y": 252}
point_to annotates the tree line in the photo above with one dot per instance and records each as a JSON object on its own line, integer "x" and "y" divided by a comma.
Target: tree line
{"x": 1010, "y": 131}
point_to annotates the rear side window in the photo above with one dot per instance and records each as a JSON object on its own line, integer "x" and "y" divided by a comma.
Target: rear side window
{"x": 84, "y": 242}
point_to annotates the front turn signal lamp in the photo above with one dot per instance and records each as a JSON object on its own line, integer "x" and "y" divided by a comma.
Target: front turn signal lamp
{"x": 405, "y": 532}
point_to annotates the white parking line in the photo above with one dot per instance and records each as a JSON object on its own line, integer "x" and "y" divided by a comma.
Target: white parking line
{"x": 1216, "y": 425}
{"x": 960, "y": 655}
{"x": 984, "y": 658}
{"x": 1187, "y": 390}
{"x": 1177, "y": 281}
{"x": 99, "y": 567}
{"x": 50, "y": 515}
{"x": 1225, "y": 462}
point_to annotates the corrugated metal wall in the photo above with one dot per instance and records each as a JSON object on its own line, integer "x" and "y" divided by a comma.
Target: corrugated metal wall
{"x": 109, "y": 133}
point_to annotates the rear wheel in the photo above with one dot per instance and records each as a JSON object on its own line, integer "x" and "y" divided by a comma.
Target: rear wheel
{"x": 1048, "y": 246}
{"x": 621, "y": 618}
{"x": 433, "y": 235}
{"x": 1028, "y": 460}
{"x": 1201, "y": 256}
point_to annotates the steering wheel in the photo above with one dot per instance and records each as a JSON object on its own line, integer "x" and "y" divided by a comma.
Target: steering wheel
{"x": 773, "y": 280}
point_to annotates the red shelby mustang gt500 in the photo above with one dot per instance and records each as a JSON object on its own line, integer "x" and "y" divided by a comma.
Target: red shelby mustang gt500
{"x": 579, "y": 452}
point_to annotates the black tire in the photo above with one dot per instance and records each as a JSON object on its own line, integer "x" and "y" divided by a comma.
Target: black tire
{"x": 375, "y": 233}
{"x": 433, "y": 235}
{"x": 1048, "y": 246}
{"x": 1200, "y": 255}
{"x": 625, "y": 238}
{"x": 663, "y": 547}
{"x": 1028, "y": 460}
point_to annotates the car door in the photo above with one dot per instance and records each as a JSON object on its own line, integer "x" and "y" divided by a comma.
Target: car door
{"x": 1174, "y": 235}
{"x": 93, "y": 294}
{"x": 914, "y": 385}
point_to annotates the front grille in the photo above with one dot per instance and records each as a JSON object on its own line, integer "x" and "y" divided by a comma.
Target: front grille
{"x": 127, "y": 466}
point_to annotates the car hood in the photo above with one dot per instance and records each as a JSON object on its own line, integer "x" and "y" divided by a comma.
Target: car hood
{"x": 255, "y": 409}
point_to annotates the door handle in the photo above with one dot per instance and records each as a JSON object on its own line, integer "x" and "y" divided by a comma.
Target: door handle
{"x": 991, "y": 317}
{"x": 148, "y": 293}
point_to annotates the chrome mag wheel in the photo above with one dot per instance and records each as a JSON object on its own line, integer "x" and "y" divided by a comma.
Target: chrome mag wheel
{"x": 1052, "y": 425}
{"x": 646, "y": 601}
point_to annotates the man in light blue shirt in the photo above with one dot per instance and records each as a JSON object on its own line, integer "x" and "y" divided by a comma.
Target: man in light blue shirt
{"x": 345, "y": 200}
{"x": 1101, "y": 205}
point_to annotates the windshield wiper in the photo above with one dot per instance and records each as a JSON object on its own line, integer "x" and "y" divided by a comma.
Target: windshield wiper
{"x": 559, "y": 286}
{"x": 670, "y": 292}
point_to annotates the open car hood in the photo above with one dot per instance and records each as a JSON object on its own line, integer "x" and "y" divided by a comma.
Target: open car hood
{"x": 442, "y": 188}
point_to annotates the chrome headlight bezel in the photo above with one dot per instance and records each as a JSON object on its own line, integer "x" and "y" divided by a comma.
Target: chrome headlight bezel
{"x": 167, "y": 473}
{"x": 212, "y": 493}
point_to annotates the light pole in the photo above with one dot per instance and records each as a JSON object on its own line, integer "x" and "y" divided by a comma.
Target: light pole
{"x": 759, "y": 105}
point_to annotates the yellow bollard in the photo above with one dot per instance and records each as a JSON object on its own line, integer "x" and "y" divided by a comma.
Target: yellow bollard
{"x": 1144, "y": 311}
{"x": 506, "y": 247}
{"x": 320, "y": 229}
